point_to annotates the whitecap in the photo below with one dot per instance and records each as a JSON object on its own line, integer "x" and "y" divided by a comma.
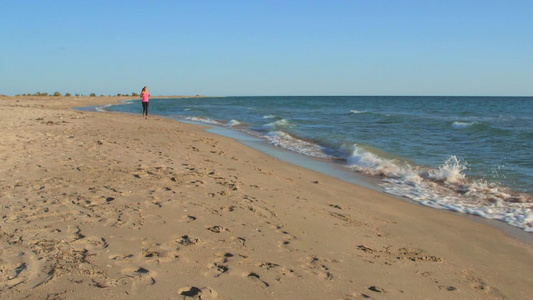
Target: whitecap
{"x": 280, "y": 124}
{"x": 462, "y": 125}
{"x": 353, "y": 111}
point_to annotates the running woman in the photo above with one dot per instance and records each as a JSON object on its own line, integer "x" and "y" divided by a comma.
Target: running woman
{"x": 145, "y": 95}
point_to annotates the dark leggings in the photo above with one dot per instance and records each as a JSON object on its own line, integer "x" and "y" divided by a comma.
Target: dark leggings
{"x": 145, "y": 108}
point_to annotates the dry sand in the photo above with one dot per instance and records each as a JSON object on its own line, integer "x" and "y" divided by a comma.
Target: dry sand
{"x": 109, "y": 205}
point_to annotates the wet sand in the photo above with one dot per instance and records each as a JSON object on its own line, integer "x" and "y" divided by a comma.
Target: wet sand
{"x": 110, "y": 205}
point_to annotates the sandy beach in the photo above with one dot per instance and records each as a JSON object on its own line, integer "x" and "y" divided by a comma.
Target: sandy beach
{"x": 113, "y": 206}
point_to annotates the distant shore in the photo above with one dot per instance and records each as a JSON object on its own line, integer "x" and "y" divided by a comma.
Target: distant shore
{"x": 109, "y": 205}
{"x": 96, "y": 98}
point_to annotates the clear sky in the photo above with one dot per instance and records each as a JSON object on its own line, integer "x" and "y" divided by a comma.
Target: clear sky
{"x": 232, "y": 48}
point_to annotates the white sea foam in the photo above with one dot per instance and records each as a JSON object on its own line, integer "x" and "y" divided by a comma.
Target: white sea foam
{"x": 233, "y": 123}
{"x": 447, "y": 188}
{"x": 480, "y": 202}
{"x": 450, "y": 171}
{"x": 353, "y": 111}
{"x": 269, "y": 117}
{"x": 280, "y": 124}
{"x": 102, "y": 108}
{"x": 369, "y": 163}
{"x": 462, "y": 125}
{"x": 286, "y": 141}
{"x": 202, "y": 120}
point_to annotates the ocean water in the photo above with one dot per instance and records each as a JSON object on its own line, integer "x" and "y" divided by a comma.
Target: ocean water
{"x": 467, "y": 154}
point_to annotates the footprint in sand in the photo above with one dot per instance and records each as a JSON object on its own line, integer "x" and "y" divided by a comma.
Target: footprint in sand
{"x": 416, "y": 255}
{"x": 30, "y": 271}
{"x": 186, "y": 240}
{"x": 217, "y": 269}
{"x": 317, "y": 267}
{"x": 261, "y": 211}
{"x": 256, "y": 277}
{"x": 217, "y": 229}
{"x": 141, "y": 277}
{"x": 219, "y": 266}
{"x": 224, "y": 257}
{"x": 192, "y": 292}
{"x": 121, "y": 258}
{"x": 132, "y": 220}
{"x": 268, "y": 265}
{"x": 153, "y": 219}
{"x": 286, "y": 241}
{"x": 279, "y": 270}
{"x": 187, "y": 219}
{"x": 159, "y": 255}
{"x": 239, "y": 240}
{"x": 89, "y": 243}
{"x": 138, "y": 272}
{"x": 346, "y": 218}
{"x": 393, "y": 293}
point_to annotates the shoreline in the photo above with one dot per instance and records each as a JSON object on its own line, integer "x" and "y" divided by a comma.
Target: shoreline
{"x": 162, "y": 208}
{"x": 332, "y": 169}
{"x": 361, "y": 180}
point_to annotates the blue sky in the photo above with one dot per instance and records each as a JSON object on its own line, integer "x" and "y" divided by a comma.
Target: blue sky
{"x": 232, "y": 48}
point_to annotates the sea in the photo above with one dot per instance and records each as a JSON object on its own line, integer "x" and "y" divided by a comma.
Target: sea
{"x": 472, "y": 155}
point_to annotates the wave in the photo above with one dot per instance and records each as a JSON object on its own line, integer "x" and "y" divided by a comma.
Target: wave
{"x": 353, "y": 111}
{"x": 277, "y": 125}
{"x": 376, "y": 122}
{"x": 447, "y": 187}
{"x": 202, "y": 120}
{"x": 103, "y": 108}
{"x": 233, "y": 123}
{"x": 370, "y": 163}
{"x": 450, "y": 172}
{"x": 480, "y": 127}
{"x": 286, "y": 141}
{"x": 462, "y": 125}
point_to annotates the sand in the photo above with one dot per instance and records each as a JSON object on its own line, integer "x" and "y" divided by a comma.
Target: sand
{"x": 110, "y": 205}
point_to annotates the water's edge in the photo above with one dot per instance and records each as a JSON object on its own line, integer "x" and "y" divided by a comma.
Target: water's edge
{"x": 329, "y": 168}
{"x": 337, "y": 171}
